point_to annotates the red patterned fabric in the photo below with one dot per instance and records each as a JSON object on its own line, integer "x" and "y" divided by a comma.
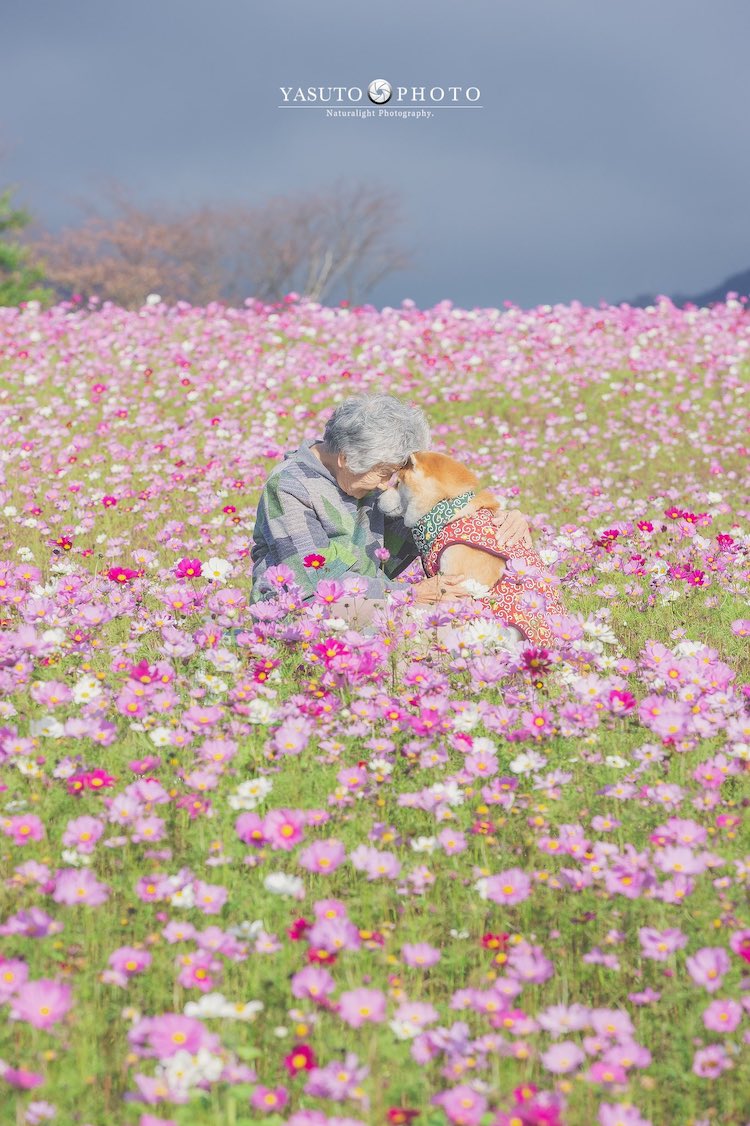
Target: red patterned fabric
{"x": 506, "y": 597}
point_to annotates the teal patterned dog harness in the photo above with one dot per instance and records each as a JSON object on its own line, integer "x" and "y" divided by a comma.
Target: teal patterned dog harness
{"x": 429, "y": 526}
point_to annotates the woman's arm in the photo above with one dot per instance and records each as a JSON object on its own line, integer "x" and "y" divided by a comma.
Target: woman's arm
{"x": 288, "y": 530}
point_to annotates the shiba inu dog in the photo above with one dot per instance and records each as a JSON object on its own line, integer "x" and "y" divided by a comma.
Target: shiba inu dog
{"x": 450, "y": 517}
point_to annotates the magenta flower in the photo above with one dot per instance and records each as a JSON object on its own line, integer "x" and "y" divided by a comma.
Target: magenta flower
{"x": 323, "y": 856}
{"x": 708, "y": 966}
{"x": 75, "y": 885}
{"x": 722, "y": 1016}
{"x": 41, "y": 1003}
{"x": 21, "y": 1078}
{"x": 188, "y": 569}
{"x": 358, "y": 1006}
{"x": 507, "y": 887}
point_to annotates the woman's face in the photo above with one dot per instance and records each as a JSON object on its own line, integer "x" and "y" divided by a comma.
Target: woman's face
{"x": 360, "y": 484}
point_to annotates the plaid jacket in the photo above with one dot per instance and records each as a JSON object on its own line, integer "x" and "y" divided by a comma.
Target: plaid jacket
{"x": 302, "y": 511}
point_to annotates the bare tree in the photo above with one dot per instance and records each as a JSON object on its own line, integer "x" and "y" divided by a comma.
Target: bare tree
{"x": 341, "y": 238}
{"x": 310, "y": 245}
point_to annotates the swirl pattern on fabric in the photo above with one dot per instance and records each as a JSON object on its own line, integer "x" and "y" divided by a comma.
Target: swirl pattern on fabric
{"x": 511, "y": 598}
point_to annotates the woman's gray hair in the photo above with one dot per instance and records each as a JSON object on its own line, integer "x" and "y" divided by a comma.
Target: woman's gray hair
{"x": 372, "y": 430}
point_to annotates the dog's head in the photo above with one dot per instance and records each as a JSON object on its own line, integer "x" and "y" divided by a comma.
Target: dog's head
{"x": 426, "y": 479}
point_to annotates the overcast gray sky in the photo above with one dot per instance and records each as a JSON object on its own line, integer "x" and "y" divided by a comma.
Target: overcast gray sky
{"x": 612, "y": 155}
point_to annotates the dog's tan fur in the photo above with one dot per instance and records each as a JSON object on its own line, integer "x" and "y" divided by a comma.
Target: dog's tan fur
{"x": 431, "y": 477}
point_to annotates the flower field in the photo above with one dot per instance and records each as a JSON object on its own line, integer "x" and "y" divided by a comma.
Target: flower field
{"x": 259, "y": 866}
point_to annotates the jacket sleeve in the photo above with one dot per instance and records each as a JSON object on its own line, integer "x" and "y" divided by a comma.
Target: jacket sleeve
{"x": 287, "y": 530}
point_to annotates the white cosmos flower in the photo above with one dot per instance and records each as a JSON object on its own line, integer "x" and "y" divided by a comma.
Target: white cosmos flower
{"x": 467, "y": 719}
{"x": 404, "y": 1029}
{"x": 448, "y": 792}
{"x": 602, "y": 631}
{"x": 217, "y": 569}
{"x": 208, "y": 1006}
{"x": 259, "y": 711}
{"x": 279, "y": 883}
{"x": 47, "y": 726}
{"x": 26, "y": 767}
{"x": 424, "y": 844}
{"x": 616, "y": 760}
{"x": 242, "y": 1010}
{"x": 527, "y": 762}
{"x": 53, "y": 636}
{"x": 250, "y": 793}
{"x": 476, "y": 588}
{"x": 74, "y": 858}
{"x": 185, "y": 897}
{"x": 161, "y": 736}
{"x": 381, "y": 766}
{"x": 87, "y": 688}
{"x": 247, "y": 929}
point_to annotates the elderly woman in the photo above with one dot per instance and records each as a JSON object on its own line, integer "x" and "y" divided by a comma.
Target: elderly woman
{"x": 318, "y": 513}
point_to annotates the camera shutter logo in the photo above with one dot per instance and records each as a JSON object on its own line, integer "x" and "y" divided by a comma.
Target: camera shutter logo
{"x": 379, "y": 91}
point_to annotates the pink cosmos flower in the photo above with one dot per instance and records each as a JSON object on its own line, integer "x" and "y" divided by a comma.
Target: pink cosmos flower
{"x": 722, "y": 1016}
{"x": 171, "y": 1033}
{"x": 462, "y": 1105}
{"x": 41, "y": 1003}
{"x": 313, "y": 983}
{"x": 209, "y": 898}
{"x": 508, "y": 887}
{"x": 357, "y": 1006}
{"x": 24, "y": 828}
{"x": 563, "y": 1058}
{"x": 269, "y": 1099}
{"x": 323, "y": 856}
{"x": 420, "y": 954}
{"x": 621, "y": 1114}
{"x": 284, "y": 828}
{"x": 21, "y": 1078}
{"x": 75, "y": 885}
{"x": 250, "y": 829}
{"x": 660, "y": 944}
{"x": 452, "y": 841}
{"x": 82, "y": 833}
{"x": 13, "y": 974}
{"x": 709, "y": 1063}
{"x": 130, "y": 961}
{"x": 708, "y": 966}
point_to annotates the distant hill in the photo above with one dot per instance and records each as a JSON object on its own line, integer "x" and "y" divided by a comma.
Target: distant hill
{"x": 738, "y": 283}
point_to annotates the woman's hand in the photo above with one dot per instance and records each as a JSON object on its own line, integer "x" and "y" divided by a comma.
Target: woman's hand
{"x": 511, "y": 528}
{"x": 440, "y": 588}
